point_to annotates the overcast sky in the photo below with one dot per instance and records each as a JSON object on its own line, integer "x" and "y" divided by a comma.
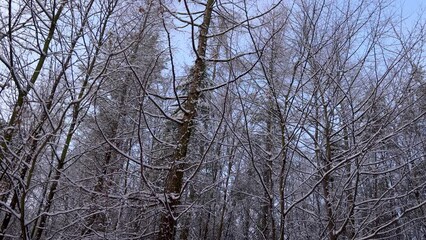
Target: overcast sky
{"x": 411, "y": 8}
{"x": 181, "y": 41}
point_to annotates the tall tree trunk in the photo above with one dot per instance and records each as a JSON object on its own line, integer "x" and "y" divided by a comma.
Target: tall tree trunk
{"x": 40, "y": 225}
{"x": 17, "y": 109}
{"x": 174, "y": 179}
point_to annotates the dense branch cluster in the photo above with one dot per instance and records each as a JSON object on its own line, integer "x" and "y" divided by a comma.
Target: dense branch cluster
{"x": 211, "y": 119}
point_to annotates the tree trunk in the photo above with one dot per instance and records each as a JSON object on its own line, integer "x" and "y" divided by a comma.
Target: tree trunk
{"x": 174, "y": 179}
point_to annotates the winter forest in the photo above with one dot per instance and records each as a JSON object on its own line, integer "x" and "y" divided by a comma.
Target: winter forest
{"x": 212, "y": 119}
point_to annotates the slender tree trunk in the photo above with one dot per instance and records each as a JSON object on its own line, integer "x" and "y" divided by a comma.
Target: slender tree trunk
{"x": 174, "y": 178}
{"x": 349, "y": 229}
{"x": 39, "y": 228}
{"x": 267, "y": 216}
{"x": 225, "y": 195}
{"x": 17, "y": 109}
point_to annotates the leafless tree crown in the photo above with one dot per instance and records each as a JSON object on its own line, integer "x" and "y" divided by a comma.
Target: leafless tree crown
{"x": 214, "y": 119}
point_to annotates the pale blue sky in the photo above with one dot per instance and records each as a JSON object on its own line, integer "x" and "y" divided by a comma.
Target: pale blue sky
{"x": 411, "y": 5}
{"x": 409, "y": 10}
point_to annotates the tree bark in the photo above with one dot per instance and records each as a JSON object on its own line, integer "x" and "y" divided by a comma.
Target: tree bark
{"x": 174, "y": 179}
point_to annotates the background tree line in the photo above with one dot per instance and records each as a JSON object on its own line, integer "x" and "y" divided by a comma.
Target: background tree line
{"x": 296, "y": 119}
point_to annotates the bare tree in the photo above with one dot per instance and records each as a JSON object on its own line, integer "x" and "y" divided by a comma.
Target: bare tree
{"x": 211, "y": 120}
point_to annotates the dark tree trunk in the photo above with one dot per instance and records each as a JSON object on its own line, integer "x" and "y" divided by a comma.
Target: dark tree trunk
{"x": 174, "y": 178}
